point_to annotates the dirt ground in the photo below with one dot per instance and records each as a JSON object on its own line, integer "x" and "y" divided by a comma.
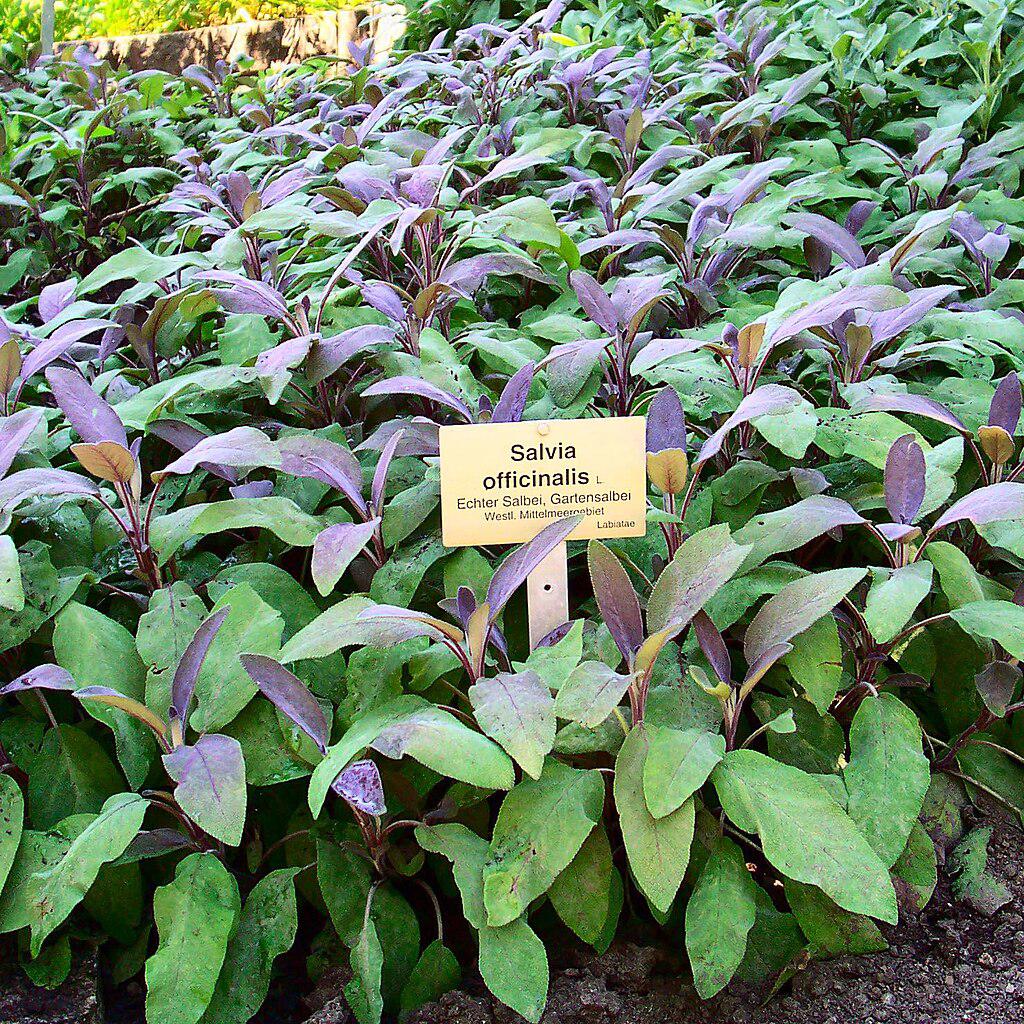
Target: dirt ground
{"x": 952, "y": 964}
{"x": 77, "y": 1001}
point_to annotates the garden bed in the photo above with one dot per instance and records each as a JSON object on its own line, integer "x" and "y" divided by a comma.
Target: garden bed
{"x": 952, "y": 963}
{"x": 271, "y": 745}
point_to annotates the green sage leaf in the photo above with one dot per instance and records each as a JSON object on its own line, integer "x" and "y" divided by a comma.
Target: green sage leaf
{"x": 804, "y": 832}
{"x": 266, "y": 929}
{"x": 888, "y": 774}
{"x": 658, "y": 848}
{"x": 57, "y": 890}
{"x": 719, "y": 915}
{"x": 540, "y": 828}
{"x": 196, "y": 915}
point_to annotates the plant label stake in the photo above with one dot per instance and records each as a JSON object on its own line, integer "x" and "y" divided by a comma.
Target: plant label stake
{"x": 547, "y": 595}
{"x": 502, "y": 483}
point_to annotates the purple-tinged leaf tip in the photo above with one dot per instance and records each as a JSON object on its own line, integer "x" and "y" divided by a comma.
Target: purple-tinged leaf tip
{"x": 289, "y": 695}
{"x": 904, "y": 479}
{"x": 1006, "y": 404}
{"x": 186, "y": 675}
{"x": 360, "y": 786}
{"x": 557, "y": 635}
{"x": 666, "y": 422}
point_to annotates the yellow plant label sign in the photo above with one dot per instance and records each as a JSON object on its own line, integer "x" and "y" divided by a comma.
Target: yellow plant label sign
{"x": 502, "y": 483}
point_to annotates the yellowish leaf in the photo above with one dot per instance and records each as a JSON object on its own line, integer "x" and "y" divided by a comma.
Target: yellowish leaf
{"x": 668, "y": 470}
{"x": 749, "y": 341}
{"x": 997, "y": 444}
{"x": 10, "y": 364}
{"x": 107, "y": 460}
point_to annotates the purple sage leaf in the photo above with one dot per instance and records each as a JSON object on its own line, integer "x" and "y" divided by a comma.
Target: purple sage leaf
{"x": 595, "y": 302}
{"x": 154, "y": 843}
{"x": 186, "y": 675}
{"x": 616, "y": 599}
{"x": 1006, "y": 404}
{"x": 512, "y": 402}
{"x": 993, "y": 504}
{"x": 55, "y": 298}
{"x": 794, "y": 609}
{"x": 59, "y": 342}
{"x": 380, "y": 474}
{"x": 241, "y": 447}
{"x": 43, "y": 677}
{"x": 915, "y": 405}
{"x": 317, "y": 458}
{"x": 469, "y": 274}
{"x": 14, "y": 432}
{"x": 334, "y": 549}
{"x": 289, "y": 695}
{"x": 360, "y": 785}
{"x": 835, "y": 238}
{"x": 713, "y": 645}
{"x": 666, "y": 422}
{"x": 997, "y": 683}
{"x": 184, "y": 437}
{"x": 328, "y": 355}
{"x": 904, "y": 479}
{"x": 211, "y": 789}
{"x": 39, "y": 483}
{"x": 827, "y": 310}
{"x": 252, "y": 489}
{"x": 422, "y": 389}
{"x": 465, "y": 604}
{"x": 556, "y": 636}
{"x": 91, "y": 416}
{"x": 762, "y": 401}
{"x": 244, "y": 295}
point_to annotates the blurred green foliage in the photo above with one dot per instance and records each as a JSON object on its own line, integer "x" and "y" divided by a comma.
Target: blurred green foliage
{"x": 82, "y": 19}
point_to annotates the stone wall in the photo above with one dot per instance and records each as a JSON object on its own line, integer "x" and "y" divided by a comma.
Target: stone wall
{"x": 267, "y": 42}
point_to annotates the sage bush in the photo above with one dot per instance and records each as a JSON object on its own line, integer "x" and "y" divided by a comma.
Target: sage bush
{"x": 246, "y": 687}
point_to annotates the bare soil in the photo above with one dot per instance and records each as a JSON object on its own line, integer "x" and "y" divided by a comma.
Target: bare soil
{"x": 77, "y": 1001}
{"x": 951, "y": 964}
